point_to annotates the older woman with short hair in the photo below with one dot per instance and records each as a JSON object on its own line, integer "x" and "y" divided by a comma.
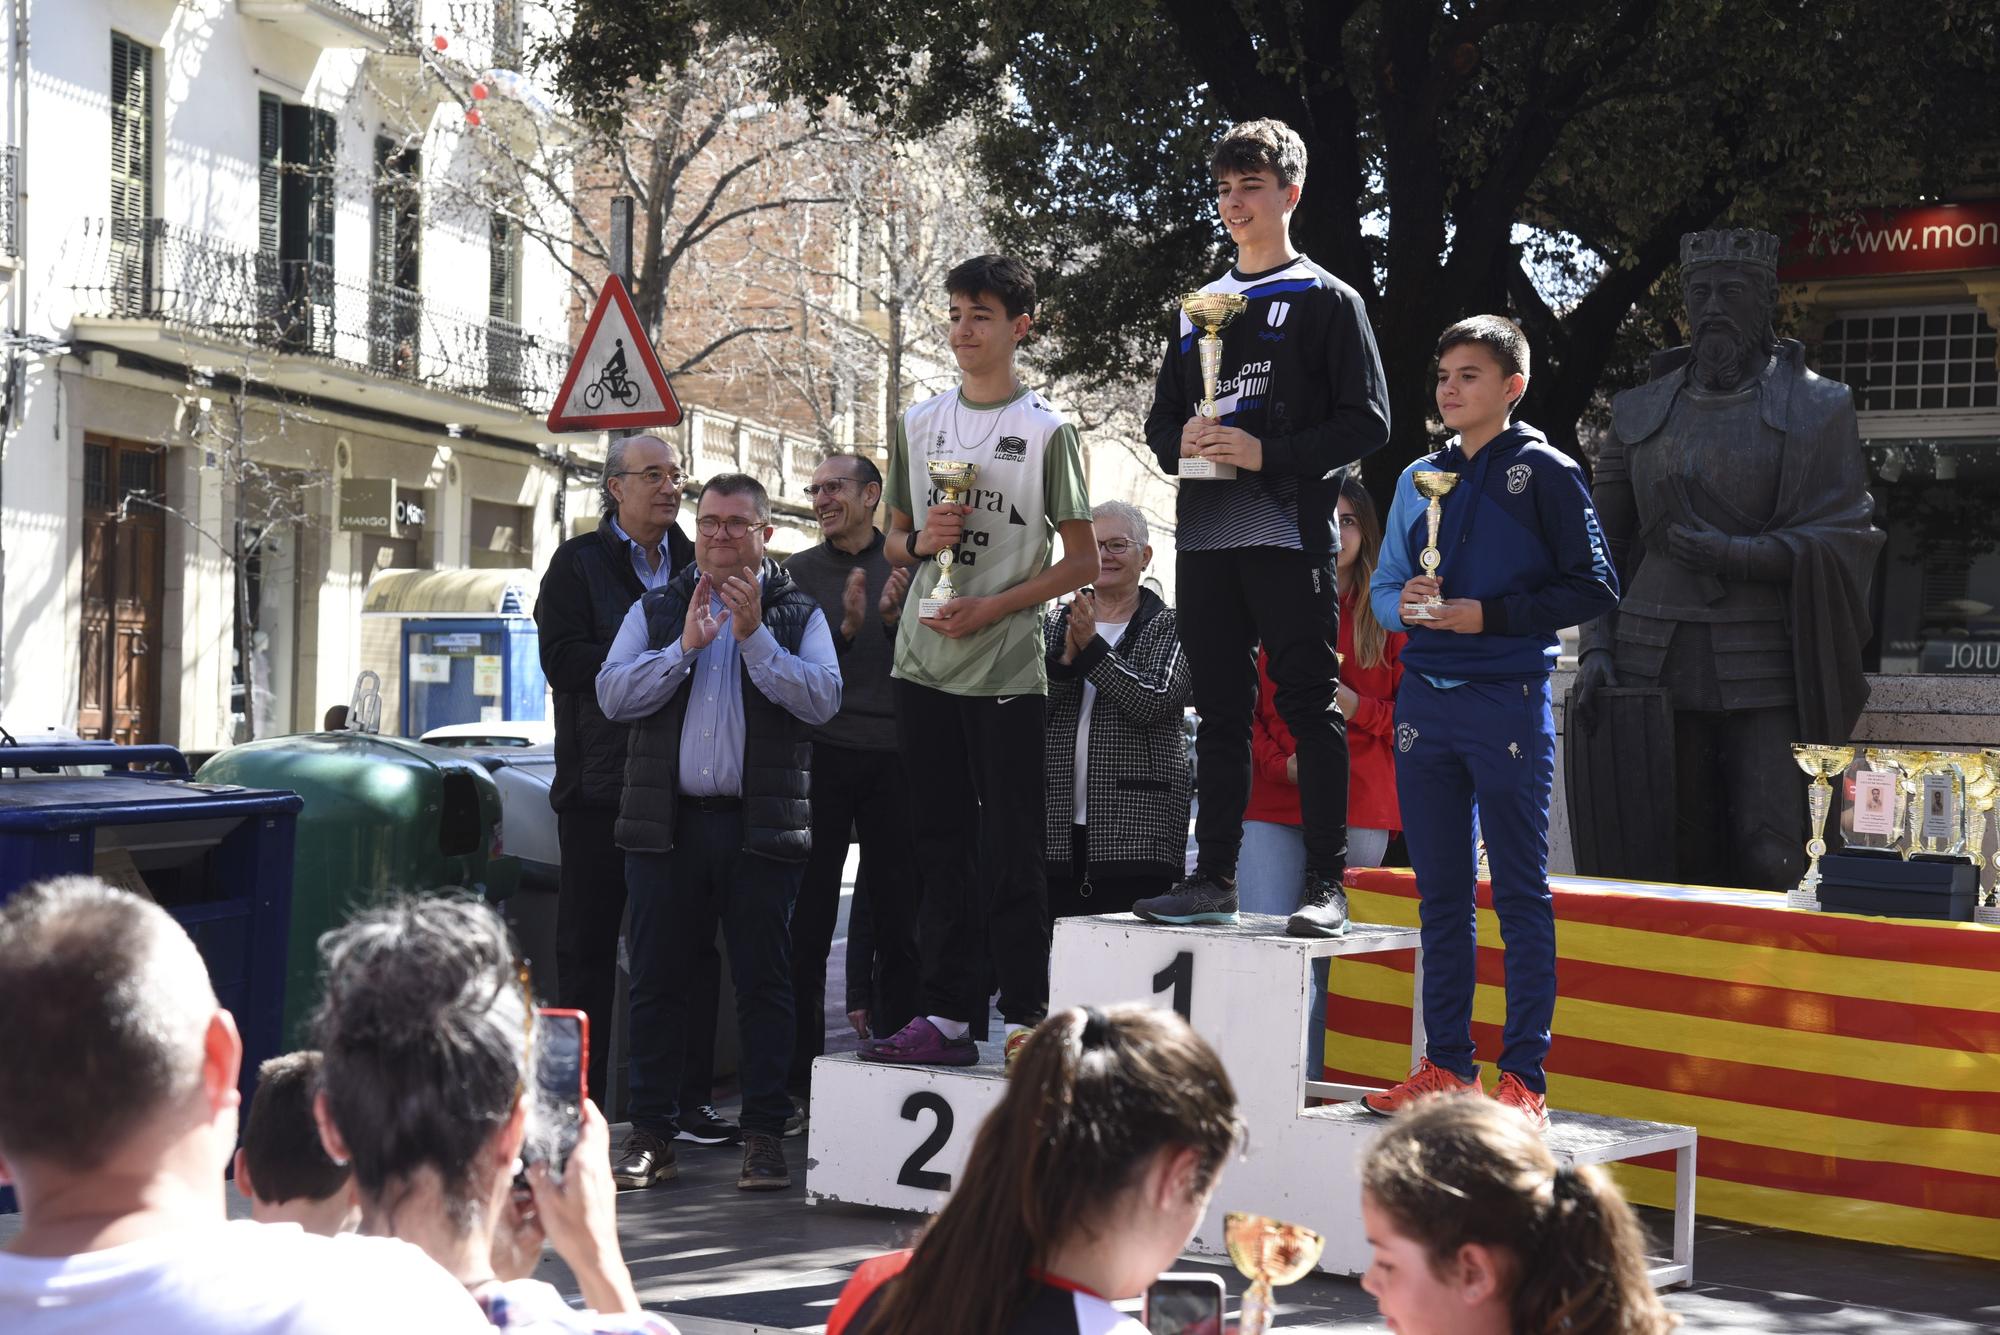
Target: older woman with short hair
{"x": 1116, "y": 761}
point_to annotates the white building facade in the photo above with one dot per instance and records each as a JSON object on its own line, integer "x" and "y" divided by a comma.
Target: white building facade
{"x": 269, "y": 332}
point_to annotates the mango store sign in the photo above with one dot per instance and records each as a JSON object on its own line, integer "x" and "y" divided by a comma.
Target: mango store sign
{"x": 1936, "y": 238}
{"x": 371, "y": 505}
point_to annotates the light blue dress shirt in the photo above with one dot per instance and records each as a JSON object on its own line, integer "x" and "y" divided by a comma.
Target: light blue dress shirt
{"x": 636, "y": 682}
{"x": 642, "y": 566}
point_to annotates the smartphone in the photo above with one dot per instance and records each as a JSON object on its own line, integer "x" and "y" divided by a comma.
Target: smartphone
{"x": 562, "y": 1063}
{"x": 1184, "y": 1304}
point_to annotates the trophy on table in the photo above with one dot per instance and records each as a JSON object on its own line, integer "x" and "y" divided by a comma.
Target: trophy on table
{"x": 952, "y": 478}
{"x": 1821, "y": 763}
{"x": 1908, "y": 767}
{"x": 1268, "y": 1253}
{"x": 1210, "y": 311}
{"x": 1434, "y": 484}
{"x": 1986, "y": 801}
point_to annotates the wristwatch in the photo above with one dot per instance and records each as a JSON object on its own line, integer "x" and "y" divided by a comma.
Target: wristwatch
{"x": 910, "y": 545}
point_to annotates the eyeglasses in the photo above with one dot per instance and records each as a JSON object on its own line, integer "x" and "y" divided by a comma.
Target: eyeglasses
{"x": 735, "y": 526}
{"x": 830, "y": 487}
{"x": 1117, "y": 546}
{"x": 656, "y": 477}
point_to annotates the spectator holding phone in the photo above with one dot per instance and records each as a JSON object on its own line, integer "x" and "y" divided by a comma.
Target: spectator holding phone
{"x": 1082, "y": 1187}
{"x": 1478, "y": 1231}
{"x": 429, "y": 1036}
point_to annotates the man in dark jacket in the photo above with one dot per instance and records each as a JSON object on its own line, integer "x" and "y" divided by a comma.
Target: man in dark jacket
{"x": 592, "y": 581}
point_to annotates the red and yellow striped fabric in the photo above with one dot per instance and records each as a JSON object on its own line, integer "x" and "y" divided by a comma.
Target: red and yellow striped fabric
{"x": 1844, "y": 1072}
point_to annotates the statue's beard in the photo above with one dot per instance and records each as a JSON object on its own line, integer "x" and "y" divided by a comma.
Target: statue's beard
{"x": 1725, "y": 357}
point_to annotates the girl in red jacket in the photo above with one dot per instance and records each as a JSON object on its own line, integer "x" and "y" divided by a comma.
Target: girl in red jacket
{"x": 1271, "y": 867}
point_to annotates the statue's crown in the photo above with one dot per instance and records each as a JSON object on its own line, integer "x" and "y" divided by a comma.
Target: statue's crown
{"x": 1730, "y": 245}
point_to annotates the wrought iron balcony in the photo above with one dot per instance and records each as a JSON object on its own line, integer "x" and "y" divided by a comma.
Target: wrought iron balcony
{"x": 194, "y": 283}
{"x": 10, "y": 201}
{"x": 375, "y": 25}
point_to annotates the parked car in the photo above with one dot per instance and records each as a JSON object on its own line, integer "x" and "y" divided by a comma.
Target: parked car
{"x": 493, "y": 736}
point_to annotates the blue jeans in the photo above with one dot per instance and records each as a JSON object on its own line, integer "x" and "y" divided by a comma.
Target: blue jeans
{"x": 677, "y": 899}
{"x": 1493, "y": 742}
{"x": 1271, "y": 875}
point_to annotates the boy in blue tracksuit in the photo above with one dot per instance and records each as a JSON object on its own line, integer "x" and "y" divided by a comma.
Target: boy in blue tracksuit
{"x": 1523, "y": 557}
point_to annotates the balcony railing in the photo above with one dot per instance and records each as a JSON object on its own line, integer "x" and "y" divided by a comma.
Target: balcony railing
{"x": 10, "y": 201}
{"x": 154, "y": 270}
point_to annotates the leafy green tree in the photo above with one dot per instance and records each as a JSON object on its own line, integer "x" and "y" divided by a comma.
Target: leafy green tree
{"x": 1540, "y": 157}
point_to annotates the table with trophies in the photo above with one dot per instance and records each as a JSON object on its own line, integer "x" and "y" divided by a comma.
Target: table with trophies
{"x": 1843, "y": 1065}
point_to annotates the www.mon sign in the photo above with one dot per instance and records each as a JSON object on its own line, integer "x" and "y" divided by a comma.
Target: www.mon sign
{"x": 1932, "y": 239}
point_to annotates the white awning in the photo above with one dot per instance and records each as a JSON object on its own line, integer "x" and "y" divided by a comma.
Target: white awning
{"x": 451, "y": 593}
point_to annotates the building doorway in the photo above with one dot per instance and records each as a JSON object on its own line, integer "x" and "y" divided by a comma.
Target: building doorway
{"x": 124, "y": 585}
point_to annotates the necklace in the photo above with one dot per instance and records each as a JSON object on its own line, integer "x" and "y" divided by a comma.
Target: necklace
{"x": 958, "y": 436}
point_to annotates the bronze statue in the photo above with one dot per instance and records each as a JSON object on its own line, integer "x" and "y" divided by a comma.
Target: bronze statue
{"x": 1734, "y": 501}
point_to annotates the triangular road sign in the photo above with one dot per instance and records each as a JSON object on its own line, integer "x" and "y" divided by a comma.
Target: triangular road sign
{"x": 614, "y": 378}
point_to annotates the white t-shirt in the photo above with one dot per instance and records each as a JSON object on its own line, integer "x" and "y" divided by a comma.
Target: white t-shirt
{"x": 1110, "y": 632}
{"x": 237, "y": 1277}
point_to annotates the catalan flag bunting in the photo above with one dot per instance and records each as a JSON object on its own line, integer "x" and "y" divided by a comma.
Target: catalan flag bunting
{"x": 1843, "y": 1071}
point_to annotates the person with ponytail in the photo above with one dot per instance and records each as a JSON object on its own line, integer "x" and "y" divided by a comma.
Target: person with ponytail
{"x": 1477, "y": 1230}
{"x": 1082, "y": 1187}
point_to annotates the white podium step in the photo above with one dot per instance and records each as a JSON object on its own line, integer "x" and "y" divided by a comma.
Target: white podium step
{"x": 898, "y": 1136}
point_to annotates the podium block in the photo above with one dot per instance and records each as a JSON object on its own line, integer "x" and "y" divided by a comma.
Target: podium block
{"x": 896, "y": 1136}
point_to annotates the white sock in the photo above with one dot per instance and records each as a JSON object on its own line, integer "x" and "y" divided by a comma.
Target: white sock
{"x": 953, "y": 1029}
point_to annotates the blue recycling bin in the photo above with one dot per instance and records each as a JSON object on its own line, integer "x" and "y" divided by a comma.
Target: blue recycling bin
{"x": 218, "y": 857}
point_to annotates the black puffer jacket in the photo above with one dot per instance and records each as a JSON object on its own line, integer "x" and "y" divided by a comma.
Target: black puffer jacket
{"x": 589, "y": 587}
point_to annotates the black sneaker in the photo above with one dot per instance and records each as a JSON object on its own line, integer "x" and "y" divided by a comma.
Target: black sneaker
{"x": 1203, "y": 899}
{"x": 795, "y": 1125}
{"x": 763, "y": 1164}
{"x": 706, "y": 1126}
{"x": 1323, "y": 911}
{"x": 644, "y": 1160}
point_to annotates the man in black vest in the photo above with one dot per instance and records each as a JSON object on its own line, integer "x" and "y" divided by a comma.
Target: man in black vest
{"x": 722, "y": 673}
{"x": 592, "y": 582}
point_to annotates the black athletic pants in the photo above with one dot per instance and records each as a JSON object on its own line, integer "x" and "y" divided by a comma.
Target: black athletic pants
{"x": 1229, "y": 601}
{"x": 974, "y": 768}
{"x": 860, "y": 793}
{"x": 590, "y": 910}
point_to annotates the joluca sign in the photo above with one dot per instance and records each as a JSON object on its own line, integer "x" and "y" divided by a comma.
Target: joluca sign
{"x": 1933, "y": 239}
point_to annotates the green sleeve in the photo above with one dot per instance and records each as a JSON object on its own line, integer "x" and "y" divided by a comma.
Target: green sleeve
{"x": 1064, "y": 495}
{"x": 896, "y": 482}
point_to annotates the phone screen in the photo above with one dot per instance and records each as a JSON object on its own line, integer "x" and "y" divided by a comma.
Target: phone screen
{"x": 562, "y": 1055}
{"x": 1184, "y": 1305}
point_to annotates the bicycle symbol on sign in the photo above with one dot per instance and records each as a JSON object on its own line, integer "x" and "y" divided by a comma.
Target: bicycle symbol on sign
{"x": 613, "y": 381}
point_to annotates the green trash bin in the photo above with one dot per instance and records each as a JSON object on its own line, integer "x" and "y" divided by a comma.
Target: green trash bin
{"x": 382, "y": 816}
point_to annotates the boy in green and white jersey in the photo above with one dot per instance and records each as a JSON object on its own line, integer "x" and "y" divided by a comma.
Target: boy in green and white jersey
{"x": 971, "y": 688}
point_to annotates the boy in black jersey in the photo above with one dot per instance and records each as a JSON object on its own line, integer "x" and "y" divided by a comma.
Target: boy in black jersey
{"x": 1300, "y": 393}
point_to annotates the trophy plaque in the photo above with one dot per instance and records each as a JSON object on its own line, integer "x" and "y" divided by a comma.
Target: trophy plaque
{"x": 952, "y": 478}
{"x": 1268, "y": 1253}
{"x": 1821, "y": 763}
{"x": 1986, "y": 905}
{"x": 1210, "y": 311}
{"x": 1435, "y": 485}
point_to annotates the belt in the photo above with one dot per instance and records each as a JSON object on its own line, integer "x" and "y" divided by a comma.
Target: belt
{"x": 712, "y": 803}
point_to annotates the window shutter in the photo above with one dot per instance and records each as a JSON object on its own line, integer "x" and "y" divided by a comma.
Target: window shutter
{"x": 503, "y": 289}
{"x": 131, "y": 172}
{"x": 270, "y": 166}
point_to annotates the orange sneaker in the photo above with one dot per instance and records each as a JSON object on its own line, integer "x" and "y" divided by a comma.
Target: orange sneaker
{"x": 1427, "y": 1079}
{"x": 1015, "y": 1042}
{"x": 1512, "y": 1093}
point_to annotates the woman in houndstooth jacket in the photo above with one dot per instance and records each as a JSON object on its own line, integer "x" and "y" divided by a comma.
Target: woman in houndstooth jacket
{"x": 1116, "y": 761}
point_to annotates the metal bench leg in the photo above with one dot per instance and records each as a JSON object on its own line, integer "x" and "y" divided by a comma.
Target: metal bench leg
{"x": 1684, "y": 1212}
{"x": 1417, "y": 1009}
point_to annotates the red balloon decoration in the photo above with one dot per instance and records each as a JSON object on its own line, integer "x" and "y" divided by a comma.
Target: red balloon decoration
{"x": 472, "y": 116}
{"x": 479, "y": 92}
{"x": 439, "y": 42}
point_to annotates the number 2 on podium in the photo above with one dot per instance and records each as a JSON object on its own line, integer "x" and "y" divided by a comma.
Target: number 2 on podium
{"x": 1178, "y": 975}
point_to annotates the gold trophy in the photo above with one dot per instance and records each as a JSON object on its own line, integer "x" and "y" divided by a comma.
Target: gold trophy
{"x": 1822, "y": 763}
{"x": 1268, "y": 1253}
{"x": 1986, "y": 905}
{"x": 1211, "y": 311}
{"x": 1435, "y": 484}
{"x": 952, "y": 478}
